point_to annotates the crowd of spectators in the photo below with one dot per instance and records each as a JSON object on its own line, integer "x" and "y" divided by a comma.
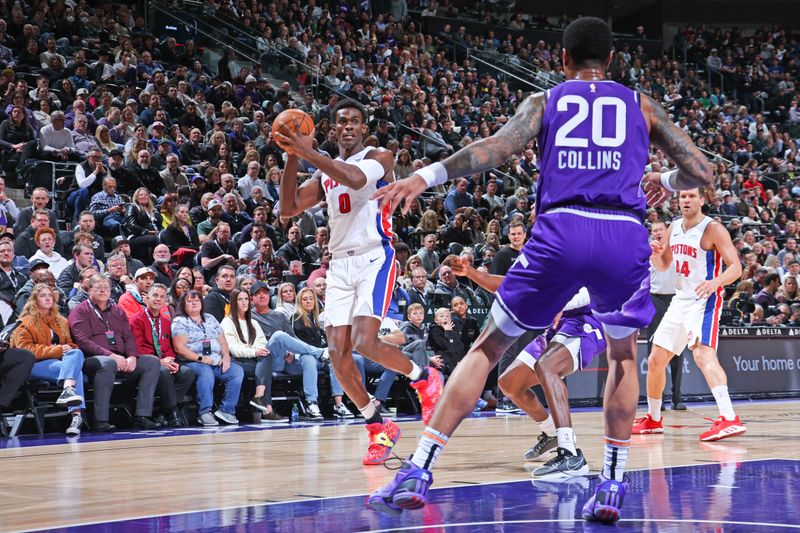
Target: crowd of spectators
{"x": 174, "y": 267}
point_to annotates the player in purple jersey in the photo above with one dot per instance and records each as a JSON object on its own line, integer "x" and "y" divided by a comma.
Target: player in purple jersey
{"x": 593, "y": 138}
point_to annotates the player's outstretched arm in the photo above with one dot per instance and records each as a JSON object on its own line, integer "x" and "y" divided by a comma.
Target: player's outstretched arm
{"x": 294, "y": 200}
{"x": 476, "y": 157}
{"x": 489, "y": 282}
{"x": 694, "y": 170}
{"x": 720, "y": 241}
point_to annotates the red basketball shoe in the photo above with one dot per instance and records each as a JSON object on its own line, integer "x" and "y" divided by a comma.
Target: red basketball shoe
{"x": 429, "y": 391}
{"x": 646, "y": 425}
{"x": 382, "y": 438}
{"x": 723, "y": 429}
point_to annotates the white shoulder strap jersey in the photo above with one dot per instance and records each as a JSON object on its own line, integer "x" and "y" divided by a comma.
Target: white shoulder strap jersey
{"x": 356, "y": 223}
{"x": 692, "y": 263}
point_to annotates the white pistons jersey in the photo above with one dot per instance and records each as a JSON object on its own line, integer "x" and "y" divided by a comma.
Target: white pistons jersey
{"x": 692, "y": 264}
{"x": 356, "y": 223}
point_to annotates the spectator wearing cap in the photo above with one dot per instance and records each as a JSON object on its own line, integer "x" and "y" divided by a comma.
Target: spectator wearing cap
{"x": 56, "y": 142}
{"x": 728, "y": 206}
{"x": 103, "y": 332}
{"x": 39, "y": 273}
{"x": 122, "y": 245}
{"x": 206, "y": 230}
{"x": 132, "y": 302}
{"x": 45, "y": 239}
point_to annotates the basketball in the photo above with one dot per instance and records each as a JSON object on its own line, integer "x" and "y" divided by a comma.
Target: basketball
{"x": 293, "y": 120}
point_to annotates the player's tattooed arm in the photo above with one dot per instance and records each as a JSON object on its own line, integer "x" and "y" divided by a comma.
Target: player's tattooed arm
{"x": 496, "y": 150}
{"x": 694, "y": 170}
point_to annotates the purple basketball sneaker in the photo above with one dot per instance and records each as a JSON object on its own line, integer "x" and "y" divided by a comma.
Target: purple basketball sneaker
{"x": 406, "y": 491}
{"x": 606, "y": 503}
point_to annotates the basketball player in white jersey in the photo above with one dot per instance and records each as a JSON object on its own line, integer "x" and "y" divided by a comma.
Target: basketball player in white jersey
{"x": 362, "y": 271}
{"x": 695, "y": 247}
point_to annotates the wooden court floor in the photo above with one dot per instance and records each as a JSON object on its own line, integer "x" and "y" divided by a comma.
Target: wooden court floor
{"x": 66, "y": 484}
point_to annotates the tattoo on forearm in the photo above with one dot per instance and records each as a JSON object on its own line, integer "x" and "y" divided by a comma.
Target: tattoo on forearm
{"x": 693, "y": 167}
{"x": 495, "y": 150}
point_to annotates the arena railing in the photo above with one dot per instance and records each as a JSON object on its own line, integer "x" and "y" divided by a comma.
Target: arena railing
{"x": 187, "y": 20}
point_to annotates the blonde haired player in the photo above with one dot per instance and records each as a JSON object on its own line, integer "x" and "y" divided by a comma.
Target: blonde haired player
{"x": 695, "y": 247}
{"x": 362, "y": 271}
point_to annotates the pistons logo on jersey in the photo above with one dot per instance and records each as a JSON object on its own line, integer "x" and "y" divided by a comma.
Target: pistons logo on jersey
{"x": 329, "y": 183}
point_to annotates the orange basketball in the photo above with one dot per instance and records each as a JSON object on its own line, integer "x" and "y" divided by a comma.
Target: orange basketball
{"x": 293, "y": 120}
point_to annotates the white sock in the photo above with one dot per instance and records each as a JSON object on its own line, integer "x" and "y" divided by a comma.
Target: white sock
{"x": 547, "y": 426}
{"x": 368, "y": 410}
{"x": 430, "y": 446}
{"x": 654, "y": 408}
{"x": 415, "y": 373}
{"x": 566, "y": 439}
{"x": 615, "y": 457}
{"x": 723, "y": 400}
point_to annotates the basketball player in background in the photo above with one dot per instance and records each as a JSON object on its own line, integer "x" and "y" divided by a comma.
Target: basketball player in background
{"x": 575, "y": 339}
{"x": 593, "y": 138}
{"x": 362, "y": 270}
{"x": 695, "y": 247}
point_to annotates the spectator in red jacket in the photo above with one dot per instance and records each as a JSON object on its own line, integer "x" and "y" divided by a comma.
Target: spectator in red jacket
{"x": 151, "y": 324}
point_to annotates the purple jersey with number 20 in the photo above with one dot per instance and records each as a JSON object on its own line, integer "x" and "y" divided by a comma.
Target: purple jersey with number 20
{"x": 593, "y": 147}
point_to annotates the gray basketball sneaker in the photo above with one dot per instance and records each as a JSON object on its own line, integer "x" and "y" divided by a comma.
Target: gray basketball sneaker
{"x": 564, "y": 465}
{"x": 544, "y": 444}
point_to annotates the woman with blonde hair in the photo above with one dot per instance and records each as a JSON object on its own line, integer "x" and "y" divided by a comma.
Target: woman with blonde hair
{"x": 103, "y": 138}
{"x": 308, "y": 327}
{"x": 286, "y": 299}
{"x": 45, "y": 333}
{"x": 788, "y": 290}
{"x": 428, "y": 223}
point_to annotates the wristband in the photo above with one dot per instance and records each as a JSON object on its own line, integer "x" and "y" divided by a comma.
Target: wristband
{"x": 433, "y": 175}
{"x": 667, "y": 180}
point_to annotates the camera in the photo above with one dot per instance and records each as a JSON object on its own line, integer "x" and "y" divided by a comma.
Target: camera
{"x": 746, "y": 305}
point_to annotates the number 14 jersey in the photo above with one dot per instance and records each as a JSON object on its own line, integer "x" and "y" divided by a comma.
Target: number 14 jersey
{"x": 692, "y": 264}
{"x": 357, "y": 224}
